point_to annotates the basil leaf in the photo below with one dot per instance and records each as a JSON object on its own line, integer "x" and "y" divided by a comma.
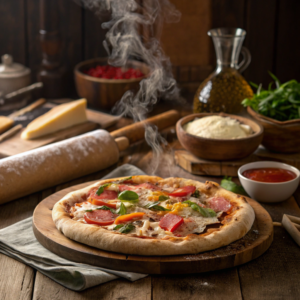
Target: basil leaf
{"x": 118, "y": 226}
{"x": 196, "y": 194}
{"x": 128, "y": 196}
{"x": 127, "y": 228}
{"x": 89, "y": 210}
{"x": 155, "y": 206}
{"x": 106, "y": 208}
{"x": 205, "y": 212}
{"x": 101, "y": 188}
{"x": 122, "y": 209}
{"x": 231, "y": 186}
{"x": 163, "y": 198}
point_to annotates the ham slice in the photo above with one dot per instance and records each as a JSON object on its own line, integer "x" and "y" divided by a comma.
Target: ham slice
{"x": 219, "y": 204}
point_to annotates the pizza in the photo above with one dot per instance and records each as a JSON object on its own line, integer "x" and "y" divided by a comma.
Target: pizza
{"x": 148, "y": 215}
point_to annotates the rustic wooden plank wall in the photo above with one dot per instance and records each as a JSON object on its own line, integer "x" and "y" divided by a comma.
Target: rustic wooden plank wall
{"x": 271, "y": 25}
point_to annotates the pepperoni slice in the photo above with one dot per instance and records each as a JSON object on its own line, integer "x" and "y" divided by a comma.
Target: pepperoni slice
{"x": 219, "y": 204}
{"x": 184, "y": 191}
{"x": 170, "y": 222}
{"x": 106, "y": 195}
{"x": 100, "y": 217}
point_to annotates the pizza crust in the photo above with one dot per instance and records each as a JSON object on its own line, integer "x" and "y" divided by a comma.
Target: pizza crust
{"x": 234, "y": 227}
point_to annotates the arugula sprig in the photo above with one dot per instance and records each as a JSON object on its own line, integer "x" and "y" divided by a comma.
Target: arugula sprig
{"x": 205, "y": 212}
{"x": 124, "y": 228}
{"x": 281, "y": 103}
{"x": 156, "y": 206}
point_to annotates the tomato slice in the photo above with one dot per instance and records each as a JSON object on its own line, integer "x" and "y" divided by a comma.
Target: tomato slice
{"x": 170, "y": 222}
{"x": 100, "y": 217}
{"x": 184, "y": 191}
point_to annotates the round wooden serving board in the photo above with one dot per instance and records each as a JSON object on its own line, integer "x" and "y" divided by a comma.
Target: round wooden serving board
{"x": 255, "y": 243}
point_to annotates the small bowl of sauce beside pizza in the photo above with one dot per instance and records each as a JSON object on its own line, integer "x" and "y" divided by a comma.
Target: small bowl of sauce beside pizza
{"x": 269, "y": 181}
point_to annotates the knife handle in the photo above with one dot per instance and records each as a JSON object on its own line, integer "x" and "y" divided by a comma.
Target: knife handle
{"x": 136, "y": 132}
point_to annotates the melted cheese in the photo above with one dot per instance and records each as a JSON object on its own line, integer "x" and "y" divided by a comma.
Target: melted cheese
{"x": 58, "y": 118}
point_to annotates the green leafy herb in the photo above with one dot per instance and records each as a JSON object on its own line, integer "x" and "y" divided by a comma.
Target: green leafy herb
{"x": 118, "y": 226}
{"x": 281, "y": 103}
{"x": 156, "y": 206}
{"x": 127, "y": 228}
{"x": 196, "y": 194}
{"x": 104, "y": 207}
{"x": 88, "y": 210}
{"x": 163, "y": 198}
{"x": 122, "y": 209}
{"x": 128, "y": 196}
{"x": 205, "y": 212}
{"x": 101, "y": 188}
{"x": 231, "y": 186}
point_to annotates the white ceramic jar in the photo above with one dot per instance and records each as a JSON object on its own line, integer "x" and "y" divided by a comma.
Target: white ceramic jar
{"x": 13, "y": 76}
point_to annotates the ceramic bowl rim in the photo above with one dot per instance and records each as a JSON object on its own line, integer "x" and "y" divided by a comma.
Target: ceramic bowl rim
{"x": 78, "y": 72}
{"x": 289, "y": 167}
{"x": 256, "y": 134}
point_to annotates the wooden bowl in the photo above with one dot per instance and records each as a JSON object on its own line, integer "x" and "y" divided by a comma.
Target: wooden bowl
{"x": 101, "y": 92}
{"x": 282, "y": 137}
{"x": 219, "y": 149}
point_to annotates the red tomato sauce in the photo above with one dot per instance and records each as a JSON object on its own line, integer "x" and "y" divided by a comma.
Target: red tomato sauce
{"x": 269, "y": 174}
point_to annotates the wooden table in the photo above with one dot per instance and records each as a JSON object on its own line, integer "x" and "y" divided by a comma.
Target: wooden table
{"x": 274, "y": 275}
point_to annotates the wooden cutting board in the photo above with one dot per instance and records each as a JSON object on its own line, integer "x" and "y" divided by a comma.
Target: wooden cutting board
{"x": 254, "y": 244}
{"x": 16, "y": 145}
{"x": 199, "y": 166}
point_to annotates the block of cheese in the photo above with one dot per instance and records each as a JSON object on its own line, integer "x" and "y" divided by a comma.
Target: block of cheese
{"x": 58, "y": 118}
{"x": 5, "y": 123}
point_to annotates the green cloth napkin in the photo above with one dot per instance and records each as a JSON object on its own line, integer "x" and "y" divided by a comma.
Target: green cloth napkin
{"x": 18, "y": 241}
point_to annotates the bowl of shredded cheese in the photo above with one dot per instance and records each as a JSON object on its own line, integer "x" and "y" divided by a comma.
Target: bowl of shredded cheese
{"x": 219, "y": 136}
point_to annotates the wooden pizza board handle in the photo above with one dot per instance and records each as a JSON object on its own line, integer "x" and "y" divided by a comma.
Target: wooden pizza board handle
{"x": 135, "y": 132}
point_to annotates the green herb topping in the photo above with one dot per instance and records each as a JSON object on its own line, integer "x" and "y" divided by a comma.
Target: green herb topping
{"x": 196, "y": 194}
{"x": 101, "y": 188}
{"x": 127, "y": 228}
{"x": 163, "y": 198}
{"x": 229, "y": 185}
{"x": 128, "y": 196}
{"x": 205, "y": 212}
{"x": 122, "y": 209}
{"x": 118, "y": 226}
{"x": 156, "y": 206}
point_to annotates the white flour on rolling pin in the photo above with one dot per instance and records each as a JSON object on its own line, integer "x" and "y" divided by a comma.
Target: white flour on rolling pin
{"x": 35, "y": 170}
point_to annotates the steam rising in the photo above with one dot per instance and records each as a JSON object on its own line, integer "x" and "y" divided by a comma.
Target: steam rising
{"x": 124, "y": 42}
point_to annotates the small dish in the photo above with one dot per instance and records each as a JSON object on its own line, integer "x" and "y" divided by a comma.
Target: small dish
{"x": 268, "y": 191}
{"x": 219, "y": 149}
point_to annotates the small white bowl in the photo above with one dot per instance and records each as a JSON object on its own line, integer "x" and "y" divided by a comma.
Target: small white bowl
{"x": 267, "y": 191}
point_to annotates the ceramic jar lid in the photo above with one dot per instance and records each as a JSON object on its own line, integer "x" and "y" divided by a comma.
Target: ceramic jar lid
{"x": 10, "y": 69}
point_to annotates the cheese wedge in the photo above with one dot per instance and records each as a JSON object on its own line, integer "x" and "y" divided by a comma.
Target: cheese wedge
{"x": 5, "y": 123}
{"x": 58, "y": 118}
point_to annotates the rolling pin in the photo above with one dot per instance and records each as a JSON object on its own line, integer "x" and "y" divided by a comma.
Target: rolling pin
{"x": 41, "y": 168}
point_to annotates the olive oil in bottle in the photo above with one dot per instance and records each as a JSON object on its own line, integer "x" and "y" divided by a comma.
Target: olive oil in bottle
{"x": 225, "y": 88}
